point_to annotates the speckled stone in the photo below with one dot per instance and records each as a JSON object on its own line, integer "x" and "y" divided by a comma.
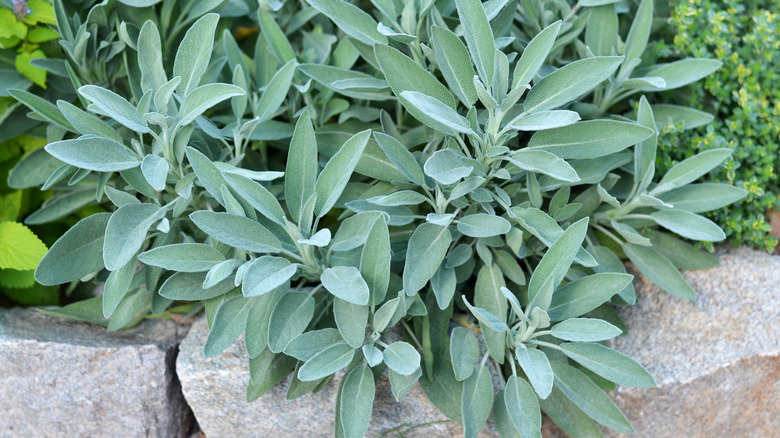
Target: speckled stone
{"x": 60, "y": 378}
{"x": 716, "y": 359}
{"x": 215, "y": 389}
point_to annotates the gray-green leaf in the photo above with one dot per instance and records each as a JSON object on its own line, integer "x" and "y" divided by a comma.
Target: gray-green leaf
{"x": 126, "y": 232}
{"x": 427, "y": 248}
{"x": 608, "y": 363}
{"x": 183, "y": 257}
{"x": 236, "y": 231}
{"x": 522, "y": 406}
{"x": 93, "y": 153}
{"x": 345, "y": 282}
{"x": 590, "y": 139}
{"x": 265, "y": 274}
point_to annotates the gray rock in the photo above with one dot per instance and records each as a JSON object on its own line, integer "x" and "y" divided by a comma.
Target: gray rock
{"x": 215, "y": 388}
{"x": 63, "y": 378}
{"x": 716, "y": 359}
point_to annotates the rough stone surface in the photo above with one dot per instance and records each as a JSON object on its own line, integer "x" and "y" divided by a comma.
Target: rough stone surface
{"x": 61, "y": 378}
{"x": 215, "y": 389}
{"x": 716, "y": 359}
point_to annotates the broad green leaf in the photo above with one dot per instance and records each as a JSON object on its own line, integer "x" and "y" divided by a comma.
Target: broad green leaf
{"x": 681, "y": 254}
{"x": 194, "y": 53}
{"x": 375, "y": 261}
{"x": 585, "y": 330}
{"x": 356, "y": 401}
{"x": 402, "y": 358}
{"x": 302, "y": 167}
{"x": 590, "y": 139}
{"x": 265, "y": 274}
{"x": 115, "y": 106}
{"x": 476, "y": 402}
{"x": 306, "y": 345}
{"x": 183, "y": 257}
{"x": 352, "y": 20}
{"x": 427, "y": 247}
{"x": 638, "y": 35}
{"x": 691, "y": 169}
{"x": 587, "y": 396}
{"x": 204, "y": 97}
{"x": 401, "y": 157}
{"x": 488, "y": 296}
{"x": 464, "y": 352}
{"x": 257, "y": 196}
{"x": 682, "y": 72}
{"x": 556, "y": 261}
{"x": 61, "y": 206}
{"x": 150, "y": 58}
{"x": 537, "y": 368}
{"x": 87, "y": 123}
{"x": 570, "y": 82}
{"x": 276, "y": 91}
{"x": 446, "y": 167}
{"x": 455, "y": 64}
{"x": 403, "y": 74}
{"x": 483, "y": 225}
{"x": 335, "y": 176}
{"x": 326, "y": 362}
{"x": 93, "y": 153}
{"x": 534, "y": 55}
{"x": 126, "y": 232}
{"x": 540, "y": 161}
{"x": 522, "y": 406}
{"x": 155, "y": 170}
{"x": 229, "y": 322}
{"x": 272, "y": 33}
{"x": 479, "y": 36}
{"x": 689, "y": 225}
{"x": 351, "y": 320}
{"x": 290, "y": 317}
{"x": 608, "y": 363}
{"x": 76, "y": 254}
{"x": 236, "y": 231}
{"x": 581, "y": 296}
{"x": 690, "y": 118}
{"x": 435, "y": 113}
{"x": 544, "y": 120}
{"x": 20, "y": 248}
{"x": 659, "y": 270}
{"x": 345, "y": 282}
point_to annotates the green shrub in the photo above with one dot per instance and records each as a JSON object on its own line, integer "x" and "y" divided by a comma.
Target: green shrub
{"x": 334, "y": 178}
{"x": 744, "y": 96}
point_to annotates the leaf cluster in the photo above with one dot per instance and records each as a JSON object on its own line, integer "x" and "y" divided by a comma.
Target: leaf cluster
{"x": 369, "y": 191}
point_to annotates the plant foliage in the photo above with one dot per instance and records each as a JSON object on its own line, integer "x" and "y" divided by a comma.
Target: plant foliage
{"x": 347, "y": 184}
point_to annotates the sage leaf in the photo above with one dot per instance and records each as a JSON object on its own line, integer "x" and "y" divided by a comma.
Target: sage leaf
{"x": 700, "y": 198}
{"x": 41, "y": 107}
{"x": 464, "y": 352}
{"x": 352, "y": 20}
{"x": 290, "y": 317}
{"x": 681, "y": 254}
{"x": 690, "y": 169}
{"x": 126, "y": 232}
{"x": 150, "y": 59}
{"x": 236, "y": 231}
{"x": 436, "y": 114}
{"x": 586, "y": 395}
{"x": 183, "y": 257}
{"x": 117, "y": 286}
{"x": 556, "y": 261}
{"x": 345, "y": 282}
{"x": 455, "y": 64}
{"x": 384, "y": 314}
{"x": 302, "y": 167}
{"x": 155, "y": 170}
{"x": 446, "y": 167}
{"x": 689, "y": 225}
{"x": 570, "y": 82}
{"x": 204, "y": 97}
{"x": 483, "y": 225}
{"x": 444, "y": 284}
{"x": 257, "y": 196}
{"x": 375, "y": 259}
{"x": 276, "y": 91}
{"x": 229, "y": 322}
{"x": 265, "y": 274}
{"x": 683, "y": 72}
{"x": 585, "y": 330}
{"x": 590, "y": 139}
{"x": 638, "y": 35}
{"x": 189, "y": 286}
{"x": 402, "y": 358}
{"x": 93, "y": 153}
{"x": 488, "y": 296}
{"x": 522, "y": 406}
{"x": 351, "y": 320}
{"x": 427, "y": 247}
{"x": 356, "y": 401}
{"x": 115, "y": 106}
{"x": 403, "y": 74}
{"x": 275, "y": 36}
{"x": 326, "y": 362}
{"x": 536, "y": 160}
{"x": 544, "y": 120}
{"x": 76, "y": 254}
{"x": 221, "y": 271}
{"x": 585, "y": 294}
{"x": 194, "y": 53}
{"x": 476, "y": 402}
{"x": 334, "y": 177}
{"x": 645, "y": 150}
{"x": 87, "y": 123}
{"x": 479, "y": 36}
{"x": 534, "y": 55}
{"x": 537, "y": 368}
{"x": 401, "y": 157}
{"x": 306, "y": 345}
{"x": 488, "y": 319}
{"x": 608, "y": 363}
{"x": 690, "y": 118}
{"x": 659, "y": 270}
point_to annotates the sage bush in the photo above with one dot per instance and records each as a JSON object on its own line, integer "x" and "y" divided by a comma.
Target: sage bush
{"x": 370, "y": 187}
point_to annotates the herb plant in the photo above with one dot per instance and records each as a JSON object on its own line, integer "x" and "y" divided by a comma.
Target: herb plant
{"x": 343, "y": 187}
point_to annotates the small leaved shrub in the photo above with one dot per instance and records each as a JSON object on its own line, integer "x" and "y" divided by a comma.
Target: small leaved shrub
{"x": 346, "y": 185}
{"x": 744, "y": 96}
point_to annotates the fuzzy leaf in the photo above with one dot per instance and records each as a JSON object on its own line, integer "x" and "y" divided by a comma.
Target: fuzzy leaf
{"x": 427, "y": 247}
{"x": 93, "y": 153}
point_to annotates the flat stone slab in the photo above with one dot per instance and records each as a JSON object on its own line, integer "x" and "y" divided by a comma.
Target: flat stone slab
{"x": 215, "y": 388}
{"x": 716, "y": 359}
{"x": 63, "y": 378}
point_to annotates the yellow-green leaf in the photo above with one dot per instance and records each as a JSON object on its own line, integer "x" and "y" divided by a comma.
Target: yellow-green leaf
{"x": 20, "y": 248}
